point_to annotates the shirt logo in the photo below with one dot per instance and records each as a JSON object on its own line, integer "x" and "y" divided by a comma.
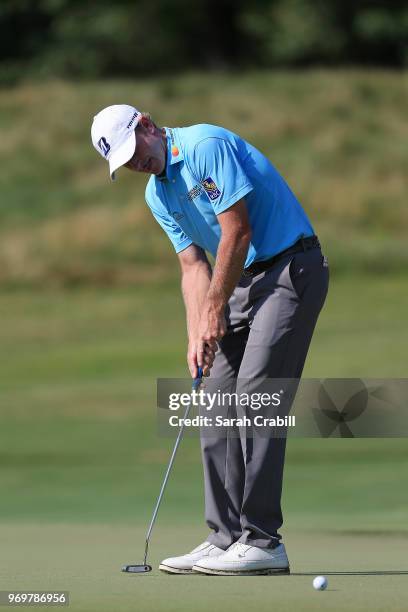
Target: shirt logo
{"x": 194, "y": 192}
{"x": 104, "y": 145}
{"x": 171, "y": 137}
{"x": 211, "y": 188}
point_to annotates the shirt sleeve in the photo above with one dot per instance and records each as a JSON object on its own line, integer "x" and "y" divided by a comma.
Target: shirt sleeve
{"x": 178, "y": 238}
{"x": 219, "y": 171}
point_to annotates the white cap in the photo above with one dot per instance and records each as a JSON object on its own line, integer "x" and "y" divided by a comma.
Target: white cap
{"x": 113, "y": 134}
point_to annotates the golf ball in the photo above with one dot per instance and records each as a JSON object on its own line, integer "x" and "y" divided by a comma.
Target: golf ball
{"x": 320, "y": 583}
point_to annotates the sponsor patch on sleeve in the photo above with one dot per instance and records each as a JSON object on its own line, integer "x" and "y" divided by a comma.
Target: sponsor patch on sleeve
{"x": 211, "y": 188}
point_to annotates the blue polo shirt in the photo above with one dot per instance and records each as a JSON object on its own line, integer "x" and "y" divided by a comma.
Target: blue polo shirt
{"x": 208, "y": 170}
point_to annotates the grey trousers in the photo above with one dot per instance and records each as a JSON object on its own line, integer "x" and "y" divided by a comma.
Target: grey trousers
{"x": 271, "y": 318}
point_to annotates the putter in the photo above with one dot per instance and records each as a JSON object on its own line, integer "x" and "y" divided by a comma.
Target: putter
{"x": 144, "y": 567}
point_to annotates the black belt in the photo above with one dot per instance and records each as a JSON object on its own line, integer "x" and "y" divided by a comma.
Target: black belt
{"x": 303, "y": 244}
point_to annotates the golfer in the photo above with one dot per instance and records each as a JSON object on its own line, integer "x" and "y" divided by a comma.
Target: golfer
{"x": 250, "y": 316}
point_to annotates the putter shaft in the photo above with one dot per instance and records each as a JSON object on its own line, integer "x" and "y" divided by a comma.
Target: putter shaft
{"x": 141, "y": 568}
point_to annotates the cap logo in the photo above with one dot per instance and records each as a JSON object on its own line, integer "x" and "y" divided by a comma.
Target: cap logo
{"x": 135, "y": 114}
{"x": 104, "y": 145}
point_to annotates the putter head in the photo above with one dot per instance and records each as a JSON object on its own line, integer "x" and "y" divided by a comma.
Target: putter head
{"x": 137, "y": 569}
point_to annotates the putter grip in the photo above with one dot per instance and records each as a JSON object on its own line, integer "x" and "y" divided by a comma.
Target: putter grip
{"x": 197, "y": 381}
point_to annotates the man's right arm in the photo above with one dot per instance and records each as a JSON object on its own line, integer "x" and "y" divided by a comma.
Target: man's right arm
{"x": 195, "y": 281}
{"x": 196, "y": 278}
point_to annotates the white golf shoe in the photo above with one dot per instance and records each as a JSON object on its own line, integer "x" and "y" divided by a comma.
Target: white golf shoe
{"x": 244, "y": 560}
{"x": 184, "y": 564}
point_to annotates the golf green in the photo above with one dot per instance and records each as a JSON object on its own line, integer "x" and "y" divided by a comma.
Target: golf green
{"x": 85, "y": 560}
{"x": 81, "y": 462}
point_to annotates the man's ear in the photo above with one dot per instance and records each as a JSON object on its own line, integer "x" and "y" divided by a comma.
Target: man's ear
{"x": 150, "y": 126}
{"x": 147, "y": 124}
{"x": 144, "y": 121}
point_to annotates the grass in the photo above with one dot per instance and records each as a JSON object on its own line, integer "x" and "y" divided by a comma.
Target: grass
{"x": 339, "y": 137}
{"x": 86, "y": 561}
{"x": 81, "y": 462}
{"x": 78, "y": 405}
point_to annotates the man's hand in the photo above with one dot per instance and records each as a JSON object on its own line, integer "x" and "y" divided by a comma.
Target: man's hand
{"x": 207, "y": 357}
{"x": 211, "y": 329}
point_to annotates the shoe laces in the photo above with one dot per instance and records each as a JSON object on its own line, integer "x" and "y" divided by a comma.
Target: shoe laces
{"x": 200, "y": 547}
{"x": 239, "y": 547}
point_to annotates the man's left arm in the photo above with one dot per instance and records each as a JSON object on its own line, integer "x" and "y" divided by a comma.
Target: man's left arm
{"x": 231, "y": 255}
{"x": 216, "y": 163}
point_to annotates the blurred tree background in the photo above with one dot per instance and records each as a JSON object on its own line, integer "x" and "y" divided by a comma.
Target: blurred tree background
{"x": 317, "y": 85}
{"x": 70, "y": 38}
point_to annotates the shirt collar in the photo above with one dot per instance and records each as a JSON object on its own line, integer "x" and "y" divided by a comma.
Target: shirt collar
{"x": 174, "y": 151}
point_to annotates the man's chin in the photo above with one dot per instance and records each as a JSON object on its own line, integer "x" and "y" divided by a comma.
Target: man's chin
{"x": 157, "y": 171}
